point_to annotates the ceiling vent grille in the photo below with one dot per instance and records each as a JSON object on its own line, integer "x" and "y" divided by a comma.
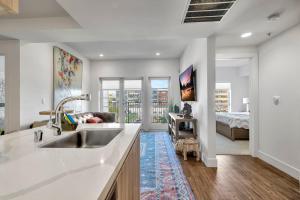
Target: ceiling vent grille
{"x": 207, "y": 10}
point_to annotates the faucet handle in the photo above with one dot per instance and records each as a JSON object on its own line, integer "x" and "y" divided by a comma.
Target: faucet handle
{"x": 38, "y": 136}
{"x": 58, "y": 132}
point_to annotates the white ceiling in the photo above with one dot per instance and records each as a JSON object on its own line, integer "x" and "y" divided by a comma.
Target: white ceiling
{"x": 251, "y": 16}
{"x": 131, "y": 49}
{"x": 136, "y": 28}
{"x": 135, "y": 19}
{"x": 38, "y": 8}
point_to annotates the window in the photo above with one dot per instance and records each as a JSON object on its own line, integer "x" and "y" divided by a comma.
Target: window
{"x": 122, "y": 97}
{"x": 111, "y": 97}
{"x": 223, "y": 97}
{"x": 133, "y": 101}
{"x": 160, "y": 100}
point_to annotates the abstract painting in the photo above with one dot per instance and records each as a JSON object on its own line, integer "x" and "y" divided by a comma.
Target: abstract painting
{"x": 67, "y": 78}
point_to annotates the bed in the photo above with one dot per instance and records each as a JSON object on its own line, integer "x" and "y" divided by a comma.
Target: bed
{"x": 234, "y": 125}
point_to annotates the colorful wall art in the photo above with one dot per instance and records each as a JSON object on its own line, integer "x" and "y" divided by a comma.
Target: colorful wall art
{"x": 67, "y": 78}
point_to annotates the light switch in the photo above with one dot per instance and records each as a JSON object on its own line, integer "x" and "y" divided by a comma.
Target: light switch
{"x": 276, "y": 100}
{"x": 43, "y": 100}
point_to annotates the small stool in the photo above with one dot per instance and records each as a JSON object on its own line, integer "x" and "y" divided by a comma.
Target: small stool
{"x": 188, "y": 145}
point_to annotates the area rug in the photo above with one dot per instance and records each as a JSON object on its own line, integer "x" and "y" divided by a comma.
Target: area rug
{"x": 161, "y": 173}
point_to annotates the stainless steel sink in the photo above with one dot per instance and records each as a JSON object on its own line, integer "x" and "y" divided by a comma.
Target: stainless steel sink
{"x": 85, "y": 139}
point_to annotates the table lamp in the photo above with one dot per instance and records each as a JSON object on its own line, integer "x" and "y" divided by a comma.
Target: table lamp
{"x": 246, "y": 101}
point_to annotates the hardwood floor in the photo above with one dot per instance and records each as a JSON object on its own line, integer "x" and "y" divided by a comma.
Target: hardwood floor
{"x": 239, "y": 178}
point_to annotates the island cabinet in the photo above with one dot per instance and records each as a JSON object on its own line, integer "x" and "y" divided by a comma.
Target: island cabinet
{"x": 127, "y": 184}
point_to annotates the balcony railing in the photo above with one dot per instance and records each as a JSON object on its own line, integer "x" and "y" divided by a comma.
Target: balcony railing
{"x": 133, "y": 112}
{"x": 113, "y": 106}
{"x": 159, "y": 112}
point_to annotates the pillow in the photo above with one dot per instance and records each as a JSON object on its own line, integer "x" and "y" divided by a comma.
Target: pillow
{"x": 85, "y": 118}
{"x": 88, "y": 115}
{"x": 94, "y": 120}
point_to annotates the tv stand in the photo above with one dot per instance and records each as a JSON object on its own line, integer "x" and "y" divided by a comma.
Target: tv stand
{"x": 177, "y": 132}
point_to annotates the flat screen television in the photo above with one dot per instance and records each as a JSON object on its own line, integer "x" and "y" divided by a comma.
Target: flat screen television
{"x": 187, "y": 81}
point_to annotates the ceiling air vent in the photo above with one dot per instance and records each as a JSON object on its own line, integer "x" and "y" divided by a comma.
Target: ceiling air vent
{"x": 207, "y": 10}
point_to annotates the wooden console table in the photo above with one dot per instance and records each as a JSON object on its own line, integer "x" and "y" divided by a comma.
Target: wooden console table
{"x": 175, "y": 120}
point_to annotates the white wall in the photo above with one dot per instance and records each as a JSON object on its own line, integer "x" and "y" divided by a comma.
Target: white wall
{"x": 239, "y": 86}
{"x": 36, "y": 62}
{"x": 135, "y": 68}
{"x": 2, "y": 95}
{"x": 2, "y": 63}
{"x": 11, "y": 50}
{"x": 201, "y": 54}
{"x": 279, "y": 125}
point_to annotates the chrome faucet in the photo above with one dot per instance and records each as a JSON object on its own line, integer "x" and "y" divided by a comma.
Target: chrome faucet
{"x": 59, "y": 110}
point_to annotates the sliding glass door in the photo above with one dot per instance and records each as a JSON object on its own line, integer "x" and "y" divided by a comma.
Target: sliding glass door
{"x": 125, "y": 98}
{"x": 159, "y": 102}
{"x": 122, "y": 97}
{"x": 110, "y": 97}
{"x": 132, "y": 101}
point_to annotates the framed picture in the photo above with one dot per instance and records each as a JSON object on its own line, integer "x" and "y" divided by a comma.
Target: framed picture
{"x": 187, "y": 82}
{"x": 67, "y": 78}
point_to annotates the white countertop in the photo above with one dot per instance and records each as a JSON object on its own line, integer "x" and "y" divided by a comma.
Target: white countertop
{"x": 30, "y": 172}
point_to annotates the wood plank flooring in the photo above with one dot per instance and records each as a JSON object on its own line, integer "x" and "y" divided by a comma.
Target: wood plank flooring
{"x": 239, "y": 178}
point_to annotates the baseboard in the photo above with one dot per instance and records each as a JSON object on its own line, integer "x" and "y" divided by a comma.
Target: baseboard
{"x": 290, "y": 170}
{"x": 209, "y": 162}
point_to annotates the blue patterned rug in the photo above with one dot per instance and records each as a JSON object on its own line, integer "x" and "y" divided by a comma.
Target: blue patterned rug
{"x": 161, "y": 173}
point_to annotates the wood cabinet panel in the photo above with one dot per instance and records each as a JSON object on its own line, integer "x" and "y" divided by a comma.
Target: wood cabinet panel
{"x": 128, "y": 180}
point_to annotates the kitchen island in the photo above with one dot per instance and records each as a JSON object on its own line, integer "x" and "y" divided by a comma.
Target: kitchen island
{"x": 28, "y": 171}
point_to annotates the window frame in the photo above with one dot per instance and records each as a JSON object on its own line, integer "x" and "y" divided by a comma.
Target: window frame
{"x": 226, "y": 85}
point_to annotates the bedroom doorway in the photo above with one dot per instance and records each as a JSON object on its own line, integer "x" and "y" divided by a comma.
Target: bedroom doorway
{"x": 231, "y": 103}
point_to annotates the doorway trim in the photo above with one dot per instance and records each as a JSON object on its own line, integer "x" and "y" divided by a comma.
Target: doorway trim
{"x": 252, "y": 54}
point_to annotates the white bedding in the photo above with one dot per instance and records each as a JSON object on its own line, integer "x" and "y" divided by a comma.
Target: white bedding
{"x": 234, "y": 119}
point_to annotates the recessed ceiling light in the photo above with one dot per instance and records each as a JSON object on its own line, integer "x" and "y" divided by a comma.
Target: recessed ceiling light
{"x": 245, "y": 35}
{"x": 101, "y": 55}
{"x": 157, "y": 54}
